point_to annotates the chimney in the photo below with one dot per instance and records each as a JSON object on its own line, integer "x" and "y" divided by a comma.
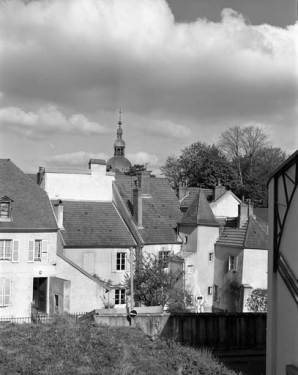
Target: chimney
{"x": 144, "y": 181}
{"x": 182, "y": 191}
{"x": 40, "y": 175}
{"x": 97, "y": 166}
{"x": 137, "y": 205}
{"x": 58, "y": 210}
{"x": 251, "y": 208}
{"x": 219, "y": 190}
{"x": 243, "y": 210}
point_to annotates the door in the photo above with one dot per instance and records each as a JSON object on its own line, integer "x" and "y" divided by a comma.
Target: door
{"x": 40, "y": 293}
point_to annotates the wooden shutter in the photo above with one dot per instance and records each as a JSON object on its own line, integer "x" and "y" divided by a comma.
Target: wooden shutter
{"x": 1, "y": 291}
{"x": 7, "y": 292}
{"x": 114, "y": 261}
{"x": 15, "y": 250}
{"x": 88, "y": 262}
{"x": 44, "y": 251}
{"x": 31, "y": 251}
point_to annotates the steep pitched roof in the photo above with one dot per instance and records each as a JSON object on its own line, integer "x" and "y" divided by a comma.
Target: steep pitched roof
{"x": 94, "y": 224}
{"x": 192, "y": 192}
{"x": 250, "y": 235}
{"x": 160, "y": 211}
{"x": 31, "y": 208}
{"x": 199, "y": 212}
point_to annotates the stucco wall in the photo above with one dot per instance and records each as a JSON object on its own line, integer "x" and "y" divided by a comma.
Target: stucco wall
{"x": 225, "y": 206}
{"x": 201, "y": 242}
{"x": 79, "y": 186}
{"x": 102, "y": 261}
{"x": 255, "y": 267}
{"x": 223, "y": 277}
{"x": 85, "y": 294}
{"x": 23, "y": 272}
{"x": 282, "y": 332}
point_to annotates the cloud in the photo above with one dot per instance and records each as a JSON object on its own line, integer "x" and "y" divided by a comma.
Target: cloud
{"x": 187, "y": 79}
{"x": 46, "y": 120}
{"x": 142, "y": 158}
{"x": 80, "y": 158}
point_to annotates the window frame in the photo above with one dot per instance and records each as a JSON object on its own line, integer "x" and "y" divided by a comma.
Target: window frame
{"x": 4, "y": 257}
{"x": 164, "y": 258}
{"x": 120, "y": 261}
{"x": 5, "y": 201}
{"x": 211, "y": 257}
{"x": 120, "y": 297}
{"x": 190, "y": 269}
{"x": 4, "y": 281}
{"x": 233, "y": 263}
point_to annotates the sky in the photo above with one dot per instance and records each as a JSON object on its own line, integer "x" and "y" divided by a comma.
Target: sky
{"x": 181, "y": 71}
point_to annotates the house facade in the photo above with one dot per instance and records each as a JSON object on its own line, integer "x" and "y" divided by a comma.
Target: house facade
{"x": 241, "y": 255}
{"x": 94, "y": 236}
{"x": 282, "y": 317}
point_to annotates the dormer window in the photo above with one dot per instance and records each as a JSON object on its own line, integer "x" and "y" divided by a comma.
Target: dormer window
{"x": 5, "y": 208}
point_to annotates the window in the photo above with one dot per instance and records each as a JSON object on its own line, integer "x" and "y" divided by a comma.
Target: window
{"x": 119, "y": 296}
{"x": 233, "y": 263}
{"x": 9, "y": 250}
{"x": 210, "y": 290}
{"x": 185, "y": 240}
{"x": 120, "y": 262}
{"x": 164, "y": 257}
{"x": 5, "y": 249}
{"x": 38, "y": 251}
{"x": 190, "y": 269}
{"x": 5, "y": 208}
{"x": 215, "y": 292}
{"x": 5, "y": 292}
{"x": 210, "y": 257}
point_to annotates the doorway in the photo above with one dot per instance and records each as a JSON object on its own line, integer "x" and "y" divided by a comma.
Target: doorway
{"x": 40, "y": 293}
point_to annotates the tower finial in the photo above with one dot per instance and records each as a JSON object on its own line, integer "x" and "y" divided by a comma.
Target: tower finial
{"x": 120, "y": 122}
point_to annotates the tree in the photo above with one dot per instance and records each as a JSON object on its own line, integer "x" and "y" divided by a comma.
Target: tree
{"x": 155, "y": 285}
{"x": 199, "y": 165}
{"x": 257, "y": 301}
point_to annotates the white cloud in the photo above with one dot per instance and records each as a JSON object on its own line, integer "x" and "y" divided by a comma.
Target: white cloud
{"x": 80, "y": 158}
{"x": 142, "y": 158}
{"x": 46, "y": 120}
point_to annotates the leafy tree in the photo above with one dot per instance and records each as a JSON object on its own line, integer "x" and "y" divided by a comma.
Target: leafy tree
{"x": 155, "y": 285}
{"x": 199, "y": 165}
{"x": 257, "y": 301}
{"x": 134, "y": 169}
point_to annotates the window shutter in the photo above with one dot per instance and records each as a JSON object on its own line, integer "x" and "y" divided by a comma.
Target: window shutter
{"x": 31, "y": 251}
{"x": 15, "y": 250}
{"x": 236, "y": 263}
{"x": 44, "y": 251}
{"x": 7, "y": 292}
{"x": 114, "y": 259}
{"x": 1, "y": 291}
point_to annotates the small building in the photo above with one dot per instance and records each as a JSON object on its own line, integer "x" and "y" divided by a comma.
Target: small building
{"x": 241, "y": 255}
{"x": 282, "y": 317}
{"x": 198, "y": 230}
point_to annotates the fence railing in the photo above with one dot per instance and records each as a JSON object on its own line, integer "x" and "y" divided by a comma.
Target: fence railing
{"x": 43, "y": 318}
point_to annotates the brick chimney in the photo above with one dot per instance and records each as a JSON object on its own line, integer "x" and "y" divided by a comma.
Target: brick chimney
{"x": 183, "y": 190}
{"x": 144, "y": 182}
{"x": 219, "y": 190}
{"x": 58, "y": 210}
{"x": 137, "y": 205}
{"x": 242, "y": 213}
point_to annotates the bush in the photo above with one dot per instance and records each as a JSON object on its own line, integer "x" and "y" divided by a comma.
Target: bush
{"x": 77, "y": 348}
{"x": 257, "y": 301}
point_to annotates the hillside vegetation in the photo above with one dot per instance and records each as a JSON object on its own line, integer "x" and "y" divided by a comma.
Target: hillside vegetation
{"x": 74, "y": 348}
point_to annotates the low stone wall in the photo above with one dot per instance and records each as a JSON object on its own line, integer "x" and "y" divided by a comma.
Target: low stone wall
{"x": 214, "y": 330}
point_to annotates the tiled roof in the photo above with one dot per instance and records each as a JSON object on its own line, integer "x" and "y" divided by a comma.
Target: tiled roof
{"x": 199, "y": 212}
{"x": 192, "y": 192}
{"x": 160, "y": 212}
{"x": 33, "y": 177}
{"x": 250, "y": 235}
{"x": 94, "y": 224}
{"x": 31, "y": 208}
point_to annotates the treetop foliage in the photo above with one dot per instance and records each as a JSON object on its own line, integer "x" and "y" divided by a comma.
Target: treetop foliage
{"x": 242, "y": 161}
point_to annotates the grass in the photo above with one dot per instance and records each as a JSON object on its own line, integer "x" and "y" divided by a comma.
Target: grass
{"x": 77, "y": 348}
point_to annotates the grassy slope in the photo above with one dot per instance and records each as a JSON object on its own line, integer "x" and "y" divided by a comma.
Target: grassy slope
{"x": 69, "y": 349}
